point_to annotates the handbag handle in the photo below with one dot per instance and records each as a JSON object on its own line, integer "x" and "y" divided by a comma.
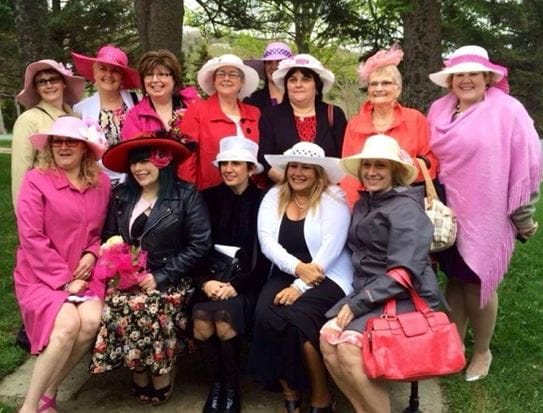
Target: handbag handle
{"x": 402, "y": 278}
{"x": 431, "y": 193}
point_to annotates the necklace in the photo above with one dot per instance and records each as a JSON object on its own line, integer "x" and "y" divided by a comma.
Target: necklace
{"x": 299, "y": 204}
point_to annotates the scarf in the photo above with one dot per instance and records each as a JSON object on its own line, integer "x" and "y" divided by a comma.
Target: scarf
{"x": 490, "y": 164}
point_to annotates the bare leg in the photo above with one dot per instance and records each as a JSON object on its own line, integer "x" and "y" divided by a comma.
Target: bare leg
{"x": 203, "y": 329}
{"x": 456, "y": 298}
{"x": 331, "y": 360}
{"x": 320, "y": 395}
{"x": 290, "y": 394}
{"x": 51, "y": 360}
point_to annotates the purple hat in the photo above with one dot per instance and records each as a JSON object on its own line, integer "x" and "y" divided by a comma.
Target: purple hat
{"x": 110, "y": 55}
{"x": 29, "y": 96}
{"x": 273, "y": 51}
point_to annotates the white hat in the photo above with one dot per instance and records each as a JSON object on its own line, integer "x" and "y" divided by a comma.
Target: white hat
{"x": 308, "y": 153}
{"x": 303, "y": 61}
{"x": 464, "y": 60}
{"x": 238, "y": 148}
{"x": 206, "y": 73}
{"x": 381, "y": 147}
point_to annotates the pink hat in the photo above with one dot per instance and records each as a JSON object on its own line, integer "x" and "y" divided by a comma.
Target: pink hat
{"x": 86, "y": 130}
{"x": 29, "y": 96}
{"x": 273, "y": 51}
{"x": 110, "y": 55}
{"x": 382, "y": 58}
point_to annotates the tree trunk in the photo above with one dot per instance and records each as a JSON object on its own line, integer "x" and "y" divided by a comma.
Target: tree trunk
{"x": 422, "y": 47}
{"x": 2, "y": 126}
{"x": 160, "y": 24}
{"x": 31, "y": 24}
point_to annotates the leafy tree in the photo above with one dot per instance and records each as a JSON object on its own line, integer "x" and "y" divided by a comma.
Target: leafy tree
{"x": 32, "y": 28}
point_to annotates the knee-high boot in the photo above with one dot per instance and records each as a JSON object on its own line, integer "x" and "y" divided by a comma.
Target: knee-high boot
{"x": 211, "y": 351}
{"x": 230, "y": 356}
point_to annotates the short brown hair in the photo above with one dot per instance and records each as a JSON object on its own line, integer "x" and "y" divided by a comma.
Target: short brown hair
{"x": 161, "y": 57}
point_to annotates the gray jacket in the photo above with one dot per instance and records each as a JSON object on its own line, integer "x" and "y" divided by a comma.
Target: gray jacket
{"x": 388, "y": 230}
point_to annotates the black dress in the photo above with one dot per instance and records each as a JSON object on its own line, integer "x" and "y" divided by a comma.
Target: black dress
{"x": 280, "y": 331}
{"x": 233, "y": 222}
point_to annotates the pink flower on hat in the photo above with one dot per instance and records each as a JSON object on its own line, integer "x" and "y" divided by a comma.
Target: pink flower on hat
{"x": 382, "y": 58}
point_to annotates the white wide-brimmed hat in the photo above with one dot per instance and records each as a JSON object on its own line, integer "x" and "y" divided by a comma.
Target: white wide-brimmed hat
{"x": 71, "y": 127}
{"x": 303, "y": 61}
{"x": 238, "y": 148}
{"x": 308, "y": 153}
{"x": 467, "y": 59}
{"x": 382, "y": 147}
{"x": 206, "y": 73}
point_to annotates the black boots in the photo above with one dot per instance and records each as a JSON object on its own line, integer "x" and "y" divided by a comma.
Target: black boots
{"x": 214, "y": 399}
{"x": 211, "y": 349}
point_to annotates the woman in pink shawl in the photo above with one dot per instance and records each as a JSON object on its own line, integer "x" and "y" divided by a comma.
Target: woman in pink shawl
{"x": 60, "y": 213}
{"x": 490, "y": 165}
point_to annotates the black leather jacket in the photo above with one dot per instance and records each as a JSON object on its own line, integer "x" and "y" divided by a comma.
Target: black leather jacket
{"x": 177, "y": 234}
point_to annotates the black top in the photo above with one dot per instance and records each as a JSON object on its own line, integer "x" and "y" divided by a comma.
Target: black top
{"x": 261, "y": 99}
{"x": 291, "y": 237}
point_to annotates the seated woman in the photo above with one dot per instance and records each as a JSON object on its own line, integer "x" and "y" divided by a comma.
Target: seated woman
{"x": 167, "y": 218}
{"x": 302, "y": 228}
{"x": 223, "y": 309}
{"x": 389, "y": 232}
{"x": 60, "y": 213}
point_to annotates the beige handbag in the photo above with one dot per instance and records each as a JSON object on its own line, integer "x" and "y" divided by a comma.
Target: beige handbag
{"x": 442, "y": 217}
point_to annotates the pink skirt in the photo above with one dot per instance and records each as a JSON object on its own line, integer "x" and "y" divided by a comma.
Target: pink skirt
{"x": 334, "y": 335}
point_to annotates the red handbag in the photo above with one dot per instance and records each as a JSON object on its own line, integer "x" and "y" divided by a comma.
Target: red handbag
{"x": 412, "y": 346}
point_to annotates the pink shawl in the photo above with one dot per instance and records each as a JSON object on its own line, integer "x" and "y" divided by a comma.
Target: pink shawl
{"x": 490, "y": 163}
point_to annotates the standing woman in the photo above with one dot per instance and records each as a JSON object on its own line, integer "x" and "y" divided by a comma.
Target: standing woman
{"x": 389, "y": 232}
{"x": 223, "y": 311}
{"x": 382, "y": 113}
{"x": 303, "y": 116}
{"x": 490, "y": 157}
{"x": 60, "y": 213}
{"x": 270, "y": 94}
{"x": 112, "y": 79}
{"x": 302, "y": 228}
{"x": 167, "y": 218}
{"x": 49, "y": 91}
{"x": 164, "y": 101}
{"x": 226, "y": 79}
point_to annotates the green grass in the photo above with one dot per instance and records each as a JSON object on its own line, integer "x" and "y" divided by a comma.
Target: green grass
{"x": 515, "y": 382}
{"x": 10, "y": 355}
{"x": 5, "y": 144}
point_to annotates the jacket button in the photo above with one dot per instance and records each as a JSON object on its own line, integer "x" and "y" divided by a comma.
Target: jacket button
{"x": 248, "y": 131}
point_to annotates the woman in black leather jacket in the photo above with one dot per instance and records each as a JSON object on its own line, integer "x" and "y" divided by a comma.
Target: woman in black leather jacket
{"x": 167, "y": 218}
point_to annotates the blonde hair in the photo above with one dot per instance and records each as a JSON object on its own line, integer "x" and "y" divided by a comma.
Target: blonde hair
{"x": 399, "y": 175}
{"x": 286, "y": 195}
{"x": 89, "y": 172}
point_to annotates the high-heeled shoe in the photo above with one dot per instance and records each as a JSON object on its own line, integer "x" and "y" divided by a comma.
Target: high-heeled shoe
{"x": 48, "y": 403}
{"x": 292, "y": 405}
{"x": 474, "y": 376}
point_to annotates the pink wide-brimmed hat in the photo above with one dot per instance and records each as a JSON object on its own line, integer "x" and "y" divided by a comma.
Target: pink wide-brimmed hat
{"x": 273, "y": 51}
{"x": 110, "y": 55}
{"x": 29, "y": 96}
{"x": 86, "y": 130}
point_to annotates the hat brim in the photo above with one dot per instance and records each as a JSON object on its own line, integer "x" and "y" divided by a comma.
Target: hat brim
{"x": 116, "y": 157}
{"x": 351, "y": 165}
{"x": 441, "y": 78}
{"x": 39, "y": 141}
{"x": 326, "y": 76}
{"x": 250, "y": 82}
{"x": 330, "y": 165}
{"x": 84, "y": 66}
{"x": 29, "y": 96}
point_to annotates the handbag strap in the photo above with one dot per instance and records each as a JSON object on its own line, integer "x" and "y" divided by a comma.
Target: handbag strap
{"x": 431, "y": 193}
{"x": 402, "y": 278}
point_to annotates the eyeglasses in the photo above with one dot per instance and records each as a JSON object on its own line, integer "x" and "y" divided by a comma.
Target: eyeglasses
{"x": 159, "y": 75}
{"x": 383, "y": 83}
{"x": 55, "y": 80}
{"x": 70, "y": 143}
{"x": 221, "y": 75}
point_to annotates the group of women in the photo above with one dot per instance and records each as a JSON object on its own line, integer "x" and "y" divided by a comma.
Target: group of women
{"x": 189, "y": 179}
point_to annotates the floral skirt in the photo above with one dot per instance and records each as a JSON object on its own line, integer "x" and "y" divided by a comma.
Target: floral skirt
{"x": 141, "y": 330}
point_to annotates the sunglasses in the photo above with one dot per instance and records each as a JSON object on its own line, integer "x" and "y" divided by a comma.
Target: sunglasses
{"x": 58, "y": 142}
{"x": 54, "y": 80}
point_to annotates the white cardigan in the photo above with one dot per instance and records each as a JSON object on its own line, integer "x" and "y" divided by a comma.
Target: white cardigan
{"x": 325, "y": 231}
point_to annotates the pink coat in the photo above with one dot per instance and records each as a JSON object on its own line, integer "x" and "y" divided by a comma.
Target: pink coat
{"x": 57, "y": 224}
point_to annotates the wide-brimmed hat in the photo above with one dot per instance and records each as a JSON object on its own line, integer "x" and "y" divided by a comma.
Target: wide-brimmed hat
{"x": 308, "y": 153}
{"x": 467, "y": 59}
{"x": 303, "y": 61}
{"x": 110, "y": 55}
{"x": 382, "y": 147}
{"x": 206, "y": 73}
{"x": 238, "y": 148}
{"x": 273, "y": 51}
{"x": 116, "y": 157}
{"x": 75, "y": 85}
{"x": 85, "y": 130}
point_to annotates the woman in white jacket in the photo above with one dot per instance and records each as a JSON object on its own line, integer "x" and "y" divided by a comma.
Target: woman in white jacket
{"x": 302, "y": 228}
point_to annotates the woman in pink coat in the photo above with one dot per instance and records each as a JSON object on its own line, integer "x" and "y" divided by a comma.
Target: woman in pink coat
{"x": 60, "y": 213}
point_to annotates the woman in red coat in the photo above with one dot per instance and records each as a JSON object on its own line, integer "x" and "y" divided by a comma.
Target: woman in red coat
{"x": 226, "y": 79}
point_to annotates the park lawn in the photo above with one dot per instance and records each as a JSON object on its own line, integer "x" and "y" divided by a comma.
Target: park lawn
{"x": 514, "y": 383}
{"x": 5, "y": 144}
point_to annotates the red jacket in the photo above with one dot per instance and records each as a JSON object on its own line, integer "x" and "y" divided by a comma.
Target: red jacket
{"x": 206, "y": 123}
{"x": 409, "y": 128}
